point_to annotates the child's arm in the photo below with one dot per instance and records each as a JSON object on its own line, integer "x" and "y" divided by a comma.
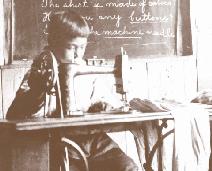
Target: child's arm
{"x": 30, "y": 97}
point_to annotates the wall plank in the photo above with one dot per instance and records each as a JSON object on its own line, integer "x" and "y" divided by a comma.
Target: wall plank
{"x": 2, "y": 32}
{"x": 204, "y": 58}
{"x": 158, "y": 78}
{"x": 138, "y": 80}
{"x": 11, "y": 79}
{"x": 190, "y": 78}
{"x": 7, "y": 30}
{"x": 1, "y": 105}
{"x": 172, "y": 78}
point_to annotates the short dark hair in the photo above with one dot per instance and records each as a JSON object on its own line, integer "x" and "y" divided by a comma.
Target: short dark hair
{"x": 66, "y": 25}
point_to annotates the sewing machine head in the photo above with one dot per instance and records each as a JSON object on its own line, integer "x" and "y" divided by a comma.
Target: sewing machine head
{"x": 68, "y": 71}
{"x": 121, "y": 74}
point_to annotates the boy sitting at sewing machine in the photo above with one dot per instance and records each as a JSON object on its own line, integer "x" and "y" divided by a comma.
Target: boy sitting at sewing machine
{"x": 39, "y": 92}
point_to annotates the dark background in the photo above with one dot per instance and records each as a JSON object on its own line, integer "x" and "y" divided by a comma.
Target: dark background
{"x": 30, "y": 25}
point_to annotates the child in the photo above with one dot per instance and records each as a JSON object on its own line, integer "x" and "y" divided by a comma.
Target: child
{"x": 38, "y": 95}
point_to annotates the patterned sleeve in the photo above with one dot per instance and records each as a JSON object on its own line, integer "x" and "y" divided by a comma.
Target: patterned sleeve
{"x": 30, "y": 97}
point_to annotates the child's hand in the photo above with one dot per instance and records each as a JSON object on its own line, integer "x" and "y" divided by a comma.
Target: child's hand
{"x": 100, "y": 106}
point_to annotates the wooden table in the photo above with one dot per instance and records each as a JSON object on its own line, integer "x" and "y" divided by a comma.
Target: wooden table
{"x": 27, "y": 144}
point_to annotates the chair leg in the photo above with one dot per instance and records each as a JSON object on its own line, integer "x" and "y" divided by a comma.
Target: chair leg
{"x": 67, "y": 142}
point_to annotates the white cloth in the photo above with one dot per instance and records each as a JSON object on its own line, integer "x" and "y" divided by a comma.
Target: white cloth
{"x": 191, "y": 139}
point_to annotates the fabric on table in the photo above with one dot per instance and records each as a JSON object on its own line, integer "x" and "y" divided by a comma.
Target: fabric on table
{"x": 191, "y": 147}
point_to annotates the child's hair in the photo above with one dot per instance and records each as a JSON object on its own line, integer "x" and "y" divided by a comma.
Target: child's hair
{"x": 65, "y": 25}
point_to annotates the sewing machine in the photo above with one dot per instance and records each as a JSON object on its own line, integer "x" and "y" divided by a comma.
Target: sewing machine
{"x": 68, "y": 72}
{"x": 36, "y": 147}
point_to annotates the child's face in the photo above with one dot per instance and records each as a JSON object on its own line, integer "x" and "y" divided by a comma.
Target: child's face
{"x": 73, "y": 50}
